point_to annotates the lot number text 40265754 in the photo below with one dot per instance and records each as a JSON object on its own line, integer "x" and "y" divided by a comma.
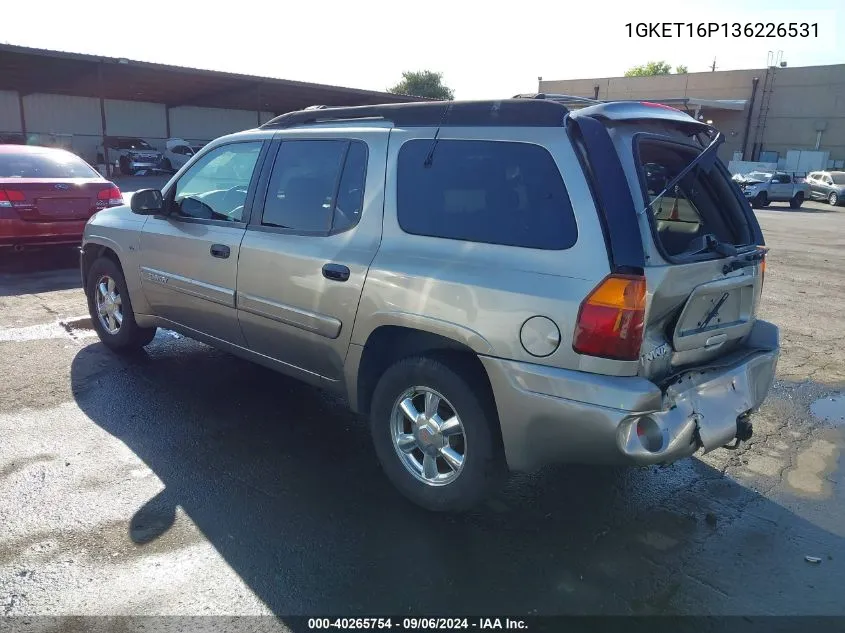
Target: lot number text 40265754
{"x": 416, "y": 624}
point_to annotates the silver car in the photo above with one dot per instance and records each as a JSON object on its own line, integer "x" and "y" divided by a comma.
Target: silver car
{"x": 128, "y": 154}
{"x": 827, "y": 185}
{"x": 497, "y": 285}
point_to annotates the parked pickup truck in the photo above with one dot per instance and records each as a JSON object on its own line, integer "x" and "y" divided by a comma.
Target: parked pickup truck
{"x": 763, "y": 187}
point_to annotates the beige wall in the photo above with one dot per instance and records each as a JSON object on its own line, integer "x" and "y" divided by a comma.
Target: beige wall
{"x": 801, "y": 100}
{"x": 733, "y": 84}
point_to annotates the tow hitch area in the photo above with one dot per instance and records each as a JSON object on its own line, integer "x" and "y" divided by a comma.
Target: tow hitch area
{"x": 744, "y": 431}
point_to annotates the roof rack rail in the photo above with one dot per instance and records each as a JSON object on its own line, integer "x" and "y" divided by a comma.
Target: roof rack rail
{"x": 504, "y": 112}
{"x": 570, "y": 101}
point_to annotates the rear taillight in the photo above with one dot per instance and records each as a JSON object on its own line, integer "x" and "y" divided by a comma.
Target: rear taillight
{"x": 610, "y": 320}
{"x": 110, "y": 197}
{"x": 8, "y": 198}
{"x": 651, "y": 104}
{"x": 762, "y": 271}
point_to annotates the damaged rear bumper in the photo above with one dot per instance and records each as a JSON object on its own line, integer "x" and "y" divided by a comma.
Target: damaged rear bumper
{"x": 550, "y": 415}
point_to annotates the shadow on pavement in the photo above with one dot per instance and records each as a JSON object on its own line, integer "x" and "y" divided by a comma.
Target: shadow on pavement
{"x": 39, "y": 270}
{"x": 283, "y": 482}
{"x": 802, "y": 209}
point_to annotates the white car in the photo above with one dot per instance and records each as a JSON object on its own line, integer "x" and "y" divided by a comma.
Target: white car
{"x": 177, "y": 153}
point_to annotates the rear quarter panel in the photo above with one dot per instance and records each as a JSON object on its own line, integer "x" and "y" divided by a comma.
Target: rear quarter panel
{"x": 482, "y": 294}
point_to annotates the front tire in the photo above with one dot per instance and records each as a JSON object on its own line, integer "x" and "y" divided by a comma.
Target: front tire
{"x": 833, "y": 199}
{"x": 797, "y": 201}
{"x": 436, "y": 435}
{"x": 761, "y": 200}
{"x": 111, "y": 309}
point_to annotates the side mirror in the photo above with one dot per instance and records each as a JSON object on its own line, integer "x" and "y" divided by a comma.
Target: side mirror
{"x": 147, "y": 202}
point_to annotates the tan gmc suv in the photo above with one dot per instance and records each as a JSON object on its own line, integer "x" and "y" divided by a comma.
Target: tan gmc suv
{"x": 498, "y": 285}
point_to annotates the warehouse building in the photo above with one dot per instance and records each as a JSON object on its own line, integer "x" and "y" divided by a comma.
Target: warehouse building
{"x": 75, "y": 101}
{"x": 765, "y": 114}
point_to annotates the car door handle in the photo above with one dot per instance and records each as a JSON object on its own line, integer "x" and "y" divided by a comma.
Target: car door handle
{"x": 336, "y": 272}
{"x": 220, "y": 250}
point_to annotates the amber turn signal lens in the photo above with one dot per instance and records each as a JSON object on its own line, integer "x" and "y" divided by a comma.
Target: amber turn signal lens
{"x": 610, "y": 320}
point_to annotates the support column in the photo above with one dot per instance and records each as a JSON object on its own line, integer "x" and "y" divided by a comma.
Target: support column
{"x": 23, "y": 116}
{"x": 101, "y": 91}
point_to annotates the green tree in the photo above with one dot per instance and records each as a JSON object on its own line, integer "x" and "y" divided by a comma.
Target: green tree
{"x": 423, "y": 83}
{"x": 681, "y": 70}
{"x": 649, "y": 69}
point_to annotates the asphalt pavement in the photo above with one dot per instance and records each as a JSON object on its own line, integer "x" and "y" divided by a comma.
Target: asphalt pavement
{"x": 186, "y": 481}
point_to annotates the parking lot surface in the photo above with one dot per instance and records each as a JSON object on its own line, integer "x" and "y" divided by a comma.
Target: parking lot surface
{"x": 186, "y": 481}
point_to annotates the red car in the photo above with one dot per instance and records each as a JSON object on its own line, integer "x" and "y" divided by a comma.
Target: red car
{"x": 47, "y": 196}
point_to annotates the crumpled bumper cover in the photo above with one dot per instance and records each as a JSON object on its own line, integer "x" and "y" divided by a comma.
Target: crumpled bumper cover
{"x": 551, "y": 415}
{"x": 700, "y": 410}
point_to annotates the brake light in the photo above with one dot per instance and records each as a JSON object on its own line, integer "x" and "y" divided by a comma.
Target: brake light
{"x": 762, "y": 271}
{"x": 110, "y": 197}
{"x": 8, "y": 197}
{"x": 610, "y": 319}
{"x": 651, "y": 104}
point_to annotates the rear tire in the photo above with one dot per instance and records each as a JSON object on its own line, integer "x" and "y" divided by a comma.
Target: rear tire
{"x": 797, "y": 201}
{"x": 111, "y": 309}
{"x": 833, "y": 199}
{"x": 413, "y": 454}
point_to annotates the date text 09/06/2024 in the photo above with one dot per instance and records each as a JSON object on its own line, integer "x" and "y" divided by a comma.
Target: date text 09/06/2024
{"x": 417, "y": 624}
{"x": 722, "y": 29}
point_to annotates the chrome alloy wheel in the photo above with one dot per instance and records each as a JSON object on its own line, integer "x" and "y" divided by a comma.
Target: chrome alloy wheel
{"x": 109, "y": 305}
{"x": 428, "y": 436}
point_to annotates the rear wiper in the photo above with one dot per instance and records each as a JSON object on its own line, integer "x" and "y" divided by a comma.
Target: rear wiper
{"x": 711, "y": 245}
{"x": 749, "y": 259}
{"x": 705, "y": 159}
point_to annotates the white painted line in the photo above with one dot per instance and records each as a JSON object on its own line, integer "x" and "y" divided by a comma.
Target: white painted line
{"x": 76, "y": 327}
{"x": 33, "y": 332}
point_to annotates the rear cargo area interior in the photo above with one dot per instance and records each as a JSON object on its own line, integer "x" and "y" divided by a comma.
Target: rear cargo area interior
{"x": 701, "y": 203}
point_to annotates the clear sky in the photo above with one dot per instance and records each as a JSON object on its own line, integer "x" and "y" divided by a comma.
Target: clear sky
{"x": 484, "y": 49}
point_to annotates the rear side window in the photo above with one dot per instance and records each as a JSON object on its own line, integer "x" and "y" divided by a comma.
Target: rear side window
{"x": 317, "y": 186}
{"x": 495, "y": 192}
{"x": 701, "y": 203}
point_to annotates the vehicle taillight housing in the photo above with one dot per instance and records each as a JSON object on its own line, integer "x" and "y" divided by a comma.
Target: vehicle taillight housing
{"x": 652, "y": 104}
{"x": 110, "y": 197}
{"x": 8, "y": 197}
{"x": 610, "y": 319}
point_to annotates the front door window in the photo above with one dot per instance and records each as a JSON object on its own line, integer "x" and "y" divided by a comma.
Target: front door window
{"x": 215, "y": 187}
